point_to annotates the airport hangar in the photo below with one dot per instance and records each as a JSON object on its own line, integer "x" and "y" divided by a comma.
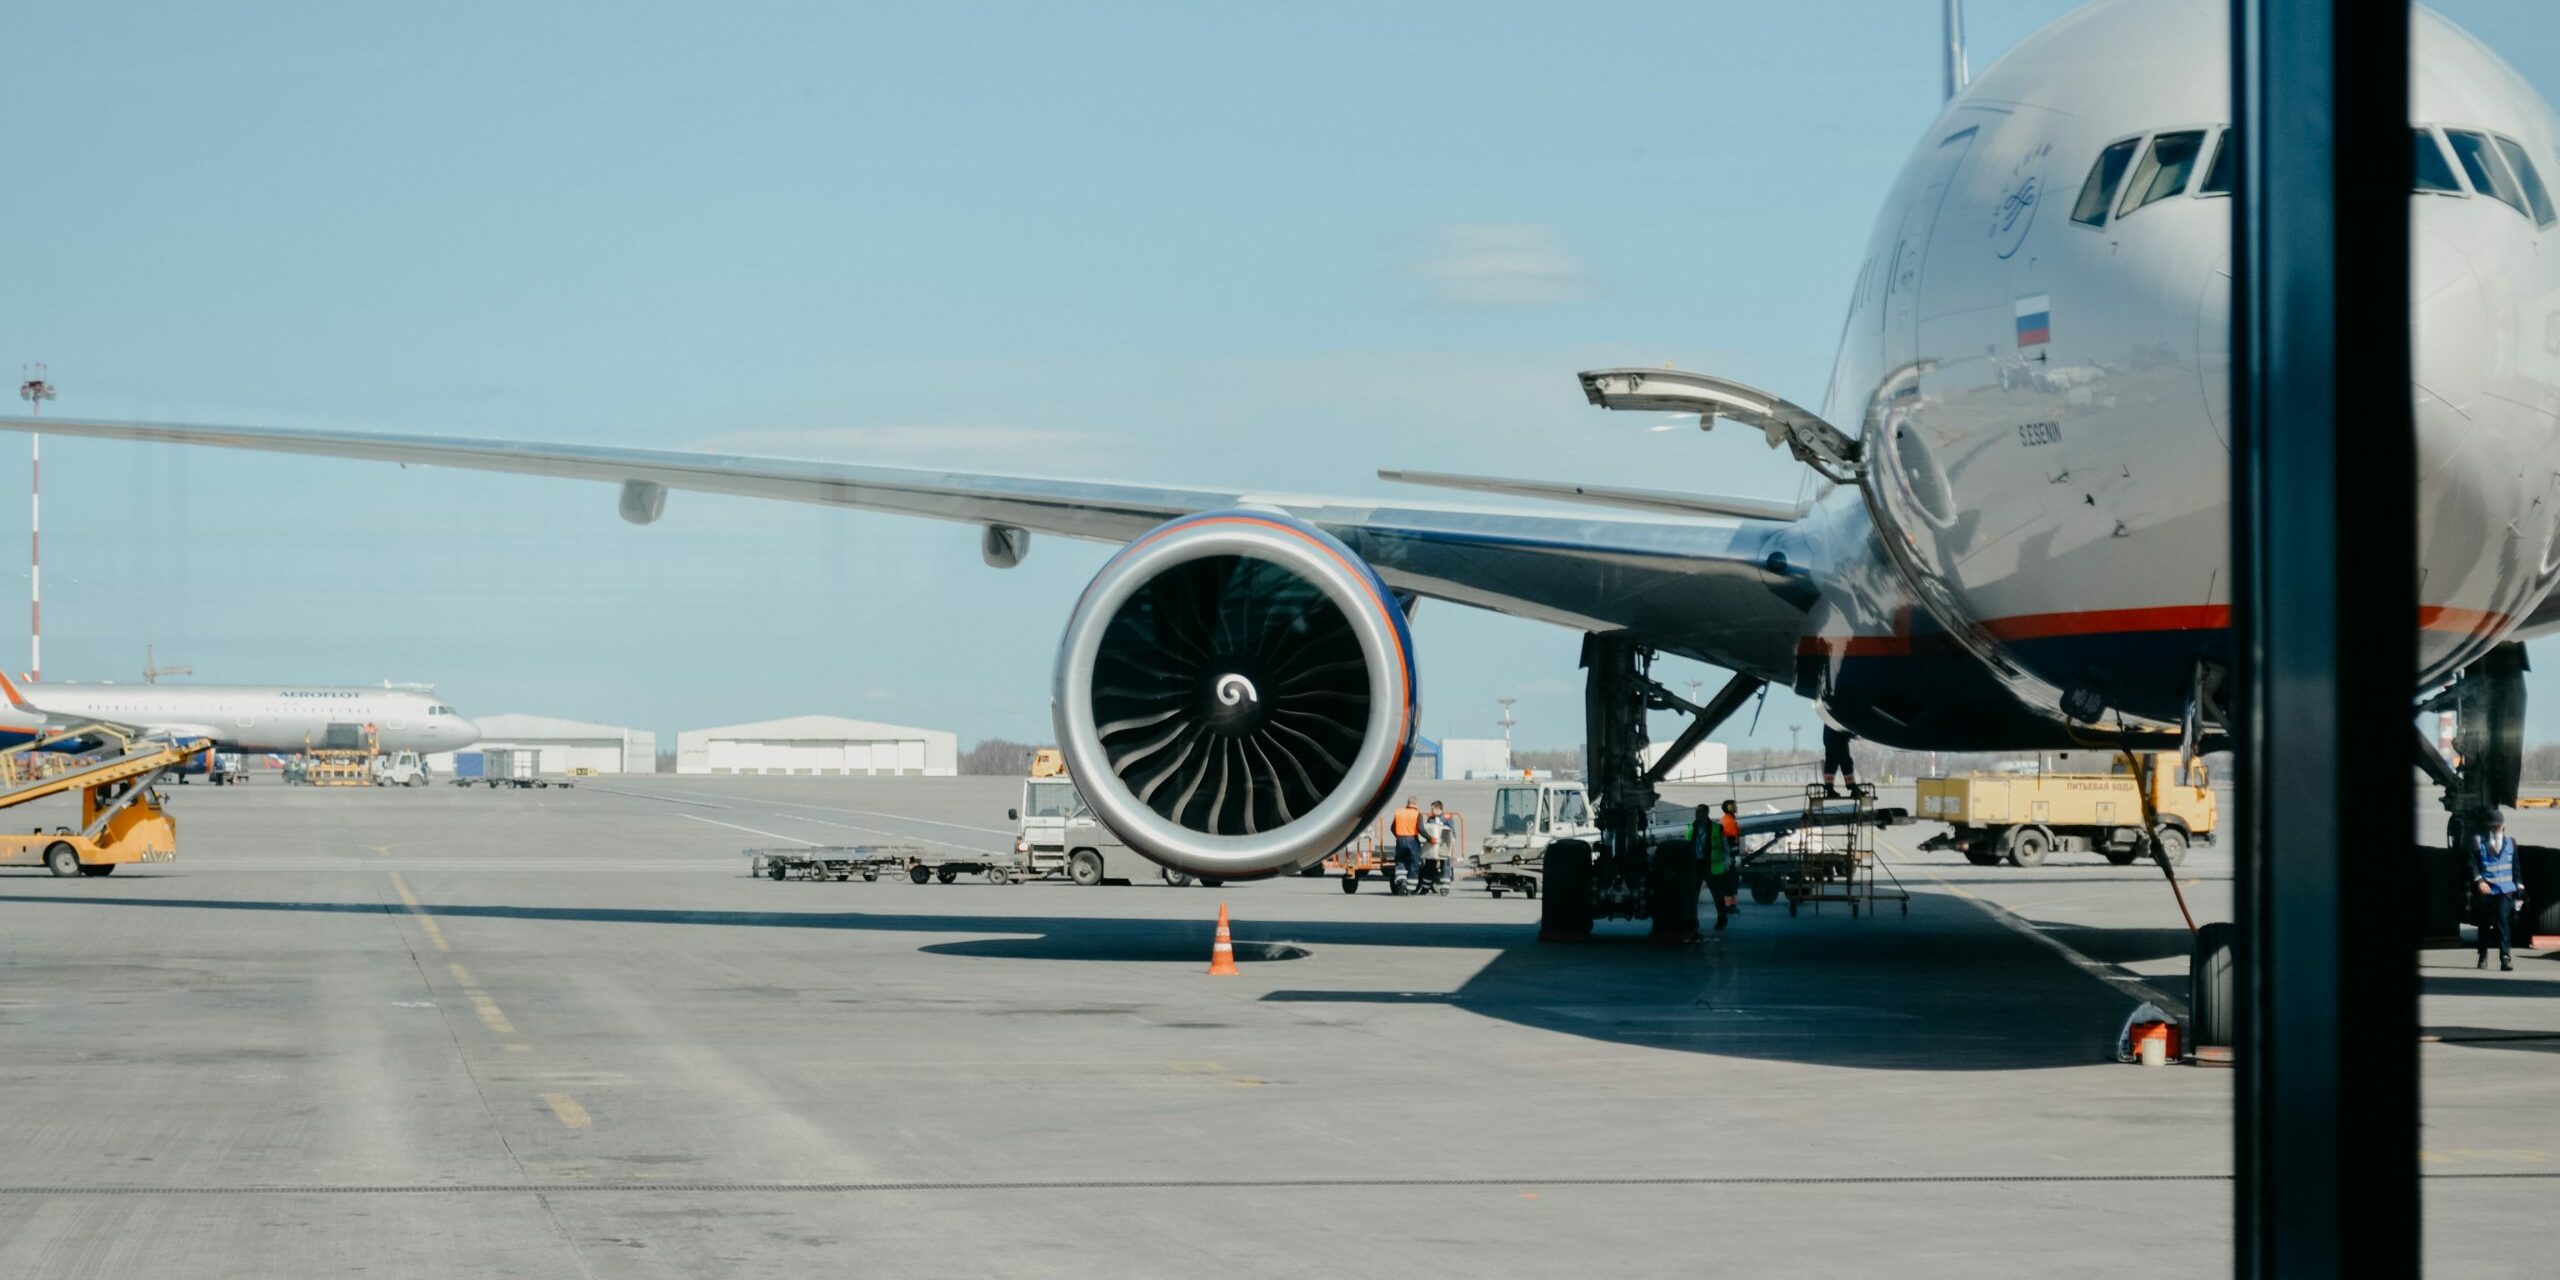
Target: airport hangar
{"x": 564, "y": 744}
{"x": 819, "y": 745}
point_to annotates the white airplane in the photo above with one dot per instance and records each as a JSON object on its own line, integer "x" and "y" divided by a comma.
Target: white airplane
{"x": 251, "y": 718}
{"x": 2022, "y": 541}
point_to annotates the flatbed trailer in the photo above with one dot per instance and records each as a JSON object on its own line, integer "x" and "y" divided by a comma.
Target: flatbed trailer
{"x": 121, "y": 819}
{"x": 870, "y": 862}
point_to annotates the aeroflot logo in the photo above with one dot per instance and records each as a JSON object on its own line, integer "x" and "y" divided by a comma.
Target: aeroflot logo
{"x": 2017, "y": 208}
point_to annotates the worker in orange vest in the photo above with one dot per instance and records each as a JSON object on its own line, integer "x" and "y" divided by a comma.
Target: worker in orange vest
{"x": 1406, "y": 827}
{"x": 1724, "y": 874}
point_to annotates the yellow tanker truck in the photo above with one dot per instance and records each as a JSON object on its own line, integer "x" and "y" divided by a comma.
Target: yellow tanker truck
{"x": 2022, "y": 818}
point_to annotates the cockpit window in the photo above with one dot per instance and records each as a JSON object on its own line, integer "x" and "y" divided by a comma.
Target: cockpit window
{"x": 2097, "y": 195}
{"x": 2488, "y": 174}
{"x": 2435, "y": 173}
{"x": 2165, "y": 169}
{"x": 2536, "y": 198}
{"x": 2217, "y": 176}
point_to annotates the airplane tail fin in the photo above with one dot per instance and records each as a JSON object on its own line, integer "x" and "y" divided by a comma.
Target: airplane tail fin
{"x": 16, "y": 699}
{"x": 1958, "y": 74}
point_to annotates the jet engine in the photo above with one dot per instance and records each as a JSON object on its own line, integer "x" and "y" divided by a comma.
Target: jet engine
{"x": 1235, "y": 694}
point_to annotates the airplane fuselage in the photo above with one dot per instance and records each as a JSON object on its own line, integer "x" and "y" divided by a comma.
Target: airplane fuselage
{"x": 254, "y": 718}
{"x": 2037, "y": 352}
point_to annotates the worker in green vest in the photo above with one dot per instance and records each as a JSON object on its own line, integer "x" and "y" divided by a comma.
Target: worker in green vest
{"x": 1715, "y": 854}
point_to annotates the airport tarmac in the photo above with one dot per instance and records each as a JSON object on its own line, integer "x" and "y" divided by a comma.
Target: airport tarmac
{"x": 448, "y": 1032}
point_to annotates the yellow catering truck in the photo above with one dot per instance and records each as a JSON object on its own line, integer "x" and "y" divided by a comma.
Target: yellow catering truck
{"x": 2020, "y": 818}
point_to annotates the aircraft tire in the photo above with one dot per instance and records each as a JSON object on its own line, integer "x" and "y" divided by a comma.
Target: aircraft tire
{"x": 2538, "y": 874}
{"x": 1084, "y": 866}
{"x": 1565, "y": 913}
{"x": 2212, "y": 977}
{"x": 62, "y": 860}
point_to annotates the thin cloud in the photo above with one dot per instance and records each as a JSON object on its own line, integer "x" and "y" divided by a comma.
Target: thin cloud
{"x": 1492, "y": 266}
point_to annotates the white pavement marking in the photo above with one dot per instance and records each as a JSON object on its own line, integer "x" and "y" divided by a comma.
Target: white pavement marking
{"x": 2015, "y": 923}
{"x": 894, "y": 835}
{"x": 753, "y": 831}
{"x": 879, "y": 813}
{"x": 643, "y": 795}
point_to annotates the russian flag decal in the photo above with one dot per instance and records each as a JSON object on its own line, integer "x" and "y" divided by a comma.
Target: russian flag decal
{"x": 2035, "y": 322}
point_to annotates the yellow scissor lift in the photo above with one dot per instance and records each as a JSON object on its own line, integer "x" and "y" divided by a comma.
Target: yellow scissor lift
{"x": 121, "y": 819}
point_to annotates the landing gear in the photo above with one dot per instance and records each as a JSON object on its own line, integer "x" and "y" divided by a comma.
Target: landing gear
{"x": 2488, "y": 703}
{"x": 1621, "y": 876}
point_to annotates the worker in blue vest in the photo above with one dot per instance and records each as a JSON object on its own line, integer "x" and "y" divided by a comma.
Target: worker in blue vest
{"x": 2494, "y": 891}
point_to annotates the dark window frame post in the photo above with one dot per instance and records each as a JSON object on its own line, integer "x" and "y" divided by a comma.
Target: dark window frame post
{"x": 2324, "y": 559}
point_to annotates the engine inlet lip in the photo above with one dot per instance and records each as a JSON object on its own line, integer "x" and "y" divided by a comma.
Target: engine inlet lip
{"x": 1386, "y": 738}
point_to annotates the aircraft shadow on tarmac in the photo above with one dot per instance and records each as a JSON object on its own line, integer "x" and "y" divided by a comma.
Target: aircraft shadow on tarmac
{"x": 1962, "y": 994}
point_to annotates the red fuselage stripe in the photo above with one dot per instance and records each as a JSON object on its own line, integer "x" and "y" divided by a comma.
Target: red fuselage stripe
{"x": 2103, "y": 622}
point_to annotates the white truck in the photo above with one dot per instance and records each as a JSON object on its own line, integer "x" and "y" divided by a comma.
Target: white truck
{"x": 1057, "y": 834}
{"x": 1527, "y": 817}
{"x": 400, "y": 769}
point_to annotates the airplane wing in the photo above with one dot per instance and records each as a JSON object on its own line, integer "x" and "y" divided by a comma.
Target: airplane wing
{"x": 1660, "y": 578}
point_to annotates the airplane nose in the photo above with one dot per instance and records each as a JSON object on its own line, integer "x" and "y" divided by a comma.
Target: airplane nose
{"x": 465, "y": 732}
{"x": 2451, "y": 346}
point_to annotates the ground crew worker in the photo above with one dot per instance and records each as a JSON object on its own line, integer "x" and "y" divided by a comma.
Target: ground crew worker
{"x": 1724, "y": 881}
{"x": 1837, "y": 760}
{"x": 2494, "y": 889}
{"x": 1406, "y": 827}
{"x": 1442, "y": 836}
{"x": 1715, "y": 860}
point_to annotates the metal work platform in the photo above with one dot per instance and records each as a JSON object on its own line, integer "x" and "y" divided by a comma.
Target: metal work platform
{"x": 1829, "y": 856}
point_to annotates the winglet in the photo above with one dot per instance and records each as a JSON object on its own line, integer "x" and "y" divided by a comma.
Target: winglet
{"x": 16, "y": 699}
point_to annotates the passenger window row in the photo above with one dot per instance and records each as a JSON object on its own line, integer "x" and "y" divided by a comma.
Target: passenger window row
{"x": 2494, "y": 165}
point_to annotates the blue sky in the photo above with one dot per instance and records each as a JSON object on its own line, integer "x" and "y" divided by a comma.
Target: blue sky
{"x": 1277, "y": 245}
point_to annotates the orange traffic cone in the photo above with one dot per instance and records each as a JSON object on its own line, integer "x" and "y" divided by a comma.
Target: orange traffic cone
{"x": 1222, "y": 955}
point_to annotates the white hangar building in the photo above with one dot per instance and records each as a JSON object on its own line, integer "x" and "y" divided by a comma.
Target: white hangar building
{"x": 819, "y": 745}
{"x": 564, "y": 744}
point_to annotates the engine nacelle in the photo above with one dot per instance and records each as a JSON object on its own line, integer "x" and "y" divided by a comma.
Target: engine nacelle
{"x": 1235, "y": 694}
